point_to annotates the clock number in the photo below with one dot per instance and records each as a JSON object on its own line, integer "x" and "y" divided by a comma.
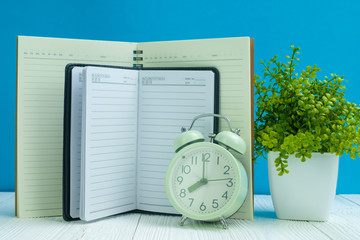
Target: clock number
{"x": 180, "y": 179}
{"x": 186, "y": 169}
{"x": 202, "y": 207}
{"x": 215, "y": 203}
{"x": 230, "y": 183}
{"x": 218, "y": 160}
{"x": 225, "y": 195}
{"x": 227, "y": 169}
{"x": 205, "y": 157}
{"x": 192, "y": 200}
{"x": 194, "y": 160}
{"x": 182, "y": 193}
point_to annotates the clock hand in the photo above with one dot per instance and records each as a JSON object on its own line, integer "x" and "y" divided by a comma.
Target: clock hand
{"x": 198, "y": 184}
{"x": 220, "y": 179}
{"x": 203, "y": 180}
{"x": 204, "y": 160}
{"x": 203, "y": 169}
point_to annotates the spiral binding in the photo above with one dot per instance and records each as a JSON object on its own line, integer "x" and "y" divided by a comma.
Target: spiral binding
{"x": 137, "y": 58}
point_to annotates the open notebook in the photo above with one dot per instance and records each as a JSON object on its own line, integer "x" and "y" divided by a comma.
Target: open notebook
{"x": 40, "y": 102}
{"x": 119, "y": 128}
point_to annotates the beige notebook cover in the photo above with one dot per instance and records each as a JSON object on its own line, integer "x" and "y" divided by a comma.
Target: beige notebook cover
{"x": 40, "y": 93}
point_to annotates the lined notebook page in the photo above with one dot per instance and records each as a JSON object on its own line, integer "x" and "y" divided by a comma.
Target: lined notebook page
{"x": 77, "y": 81}
{"x": 168, "y": 100}
{"x": 39, "y": 114}
{"x": 108, "y": 174}
{"x": 231, "y": 56}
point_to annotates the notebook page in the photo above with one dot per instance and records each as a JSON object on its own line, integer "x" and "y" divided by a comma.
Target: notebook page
{"x": 39, "y": 114}
{"x": 231, "y": 56}
{"x": 108, "y": 161}
{"x": 75, "y": 140}
{"x": 168, "y": 100}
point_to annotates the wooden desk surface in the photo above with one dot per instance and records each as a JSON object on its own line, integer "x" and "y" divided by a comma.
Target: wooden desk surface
{"x": 344, "y": 223}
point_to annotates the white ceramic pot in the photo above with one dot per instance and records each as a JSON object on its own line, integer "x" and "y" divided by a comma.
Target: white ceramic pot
{"x": 308, "y": 191}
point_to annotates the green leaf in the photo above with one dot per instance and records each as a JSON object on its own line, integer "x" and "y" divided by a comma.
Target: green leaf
{"x": 265, "y": 136}
{"x": 354, "y": 149}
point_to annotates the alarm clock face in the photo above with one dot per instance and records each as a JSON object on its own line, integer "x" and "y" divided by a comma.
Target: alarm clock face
{"x": 205, "y": 182}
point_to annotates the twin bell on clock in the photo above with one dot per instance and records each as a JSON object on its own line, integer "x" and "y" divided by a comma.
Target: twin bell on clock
{"x": 204, "y": 180}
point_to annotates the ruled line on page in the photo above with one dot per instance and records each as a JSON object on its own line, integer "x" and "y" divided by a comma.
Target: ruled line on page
{"x": 111, "y": 120}
{"x": 161, "y": 116}
{"x": 40, "y": 97}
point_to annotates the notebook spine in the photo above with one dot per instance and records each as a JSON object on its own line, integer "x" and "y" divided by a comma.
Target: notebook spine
{"x": 138, "y": 58}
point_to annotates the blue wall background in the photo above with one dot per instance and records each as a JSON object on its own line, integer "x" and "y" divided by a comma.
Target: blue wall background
{"x": 328, "y": 33}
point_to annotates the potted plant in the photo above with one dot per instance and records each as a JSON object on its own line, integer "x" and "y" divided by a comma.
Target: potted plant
{"x": 303, "y": 125}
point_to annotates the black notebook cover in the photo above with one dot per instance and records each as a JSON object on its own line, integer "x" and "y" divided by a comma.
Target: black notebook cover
{"x": 67, "y": 120}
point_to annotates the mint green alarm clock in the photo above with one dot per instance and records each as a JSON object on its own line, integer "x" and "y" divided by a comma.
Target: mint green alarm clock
{"x": 204, "y": 180}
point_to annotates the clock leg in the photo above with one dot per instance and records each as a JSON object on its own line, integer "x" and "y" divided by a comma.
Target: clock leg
{"x": 223, "y": 222}
{"x": 183, "y": 219}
